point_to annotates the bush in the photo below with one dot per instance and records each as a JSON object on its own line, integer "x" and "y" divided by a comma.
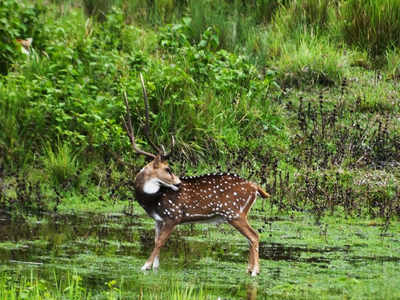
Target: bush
{"x": 74, "y": 91}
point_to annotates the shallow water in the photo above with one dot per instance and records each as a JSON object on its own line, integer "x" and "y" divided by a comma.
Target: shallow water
{"x": 102, "y": 248}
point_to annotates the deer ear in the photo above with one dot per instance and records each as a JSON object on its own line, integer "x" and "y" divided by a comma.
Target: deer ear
{"x": 157, "y": 161}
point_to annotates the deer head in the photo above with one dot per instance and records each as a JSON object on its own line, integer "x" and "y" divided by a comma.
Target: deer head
{"x": 25, "y": 45}
{"x": 154, "y": 175}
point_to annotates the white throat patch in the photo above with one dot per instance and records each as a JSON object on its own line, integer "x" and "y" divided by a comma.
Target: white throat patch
{"x": 152, "y": 186}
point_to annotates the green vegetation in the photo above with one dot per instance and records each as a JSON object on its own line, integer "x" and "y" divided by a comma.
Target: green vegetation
{"x": 300, "y": 96}
{"x": 98, "y": 256}
{"x": 372, "y": 25}
{"x": 288, "y": 97}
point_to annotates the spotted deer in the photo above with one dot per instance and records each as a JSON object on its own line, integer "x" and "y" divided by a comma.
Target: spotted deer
{"x": 211, "y": 198}
{"x": 25, "y": 45}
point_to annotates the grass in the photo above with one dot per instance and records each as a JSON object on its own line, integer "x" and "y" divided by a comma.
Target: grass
{"x": 311, "y": 61}
{"x": 32, "y": 286}
{"x": 393, "y": 63}
{"x": 371, "y": 25}
{"x": 60, "y": 163}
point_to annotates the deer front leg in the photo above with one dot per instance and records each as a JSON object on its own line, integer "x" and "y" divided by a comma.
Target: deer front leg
{"x": 158, "y": 226}
{"x": 164, "y": 232}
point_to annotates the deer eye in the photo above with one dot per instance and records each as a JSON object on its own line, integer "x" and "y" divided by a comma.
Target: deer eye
{"x": 168, "y": 170}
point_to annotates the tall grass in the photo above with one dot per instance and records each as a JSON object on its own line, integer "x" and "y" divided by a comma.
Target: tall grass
{"x": 156, "y": 12}
{"x": 393, "y": 62}
{"x": 226, "y": 19}
{"x": 312, "y": 60}
{"x": 72, "y": 286}
{"x": 372, "y": 24}
{"x": 307, "y": 15}
{"x": 241, "y": 25}
{"x": 61, "y": 163}
{"x": 97, "y": 8}
{"x": 31, "y": 286}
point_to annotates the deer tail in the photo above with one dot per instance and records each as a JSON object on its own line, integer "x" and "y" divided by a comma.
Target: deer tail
{"x": 262, "y": 193}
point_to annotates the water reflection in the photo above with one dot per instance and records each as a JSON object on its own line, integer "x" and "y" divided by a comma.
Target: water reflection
{"x": 252, "y": 291}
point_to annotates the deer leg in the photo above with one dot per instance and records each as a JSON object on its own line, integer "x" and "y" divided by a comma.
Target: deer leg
{"x": 158, "y": 226}
{"x": 164, "y": 233}
{"x": 244, "y": 228}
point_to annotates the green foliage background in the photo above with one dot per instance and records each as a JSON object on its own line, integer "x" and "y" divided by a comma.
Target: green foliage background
{"x": 226, "y": 78}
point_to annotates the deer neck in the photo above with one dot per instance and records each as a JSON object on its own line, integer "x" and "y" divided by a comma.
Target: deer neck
{"x": 147, "y": 194}
{"x": 146, "y": 185}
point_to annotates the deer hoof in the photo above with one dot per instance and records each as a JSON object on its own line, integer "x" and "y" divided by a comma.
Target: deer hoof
{"x": 255, "y": 271}
{"x": 146, "y": 266}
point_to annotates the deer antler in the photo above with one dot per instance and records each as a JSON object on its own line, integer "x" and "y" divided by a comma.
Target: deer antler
{"x": 164, "y": 154}
{"x": 147, "y": 127}
{"x": 129, "y": 130}
{"x": 167, "y": 155}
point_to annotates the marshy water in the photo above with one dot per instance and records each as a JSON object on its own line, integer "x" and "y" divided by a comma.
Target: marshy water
{"x": 104, "y": 248}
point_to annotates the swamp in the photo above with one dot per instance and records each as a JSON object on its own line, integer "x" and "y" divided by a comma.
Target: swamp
{"x": 98, "y": 256}
{"x": 300, "y": 97}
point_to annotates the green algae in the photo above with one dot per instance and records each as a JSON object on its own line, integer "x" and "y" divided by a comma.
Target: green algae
{"x": 340, "y": 258}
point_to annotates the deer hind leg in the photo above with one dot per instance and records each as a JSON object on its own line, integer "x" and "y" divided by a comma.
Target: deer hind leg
{"x": 244, "y": 228}
{"x": 163, "y": 231}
